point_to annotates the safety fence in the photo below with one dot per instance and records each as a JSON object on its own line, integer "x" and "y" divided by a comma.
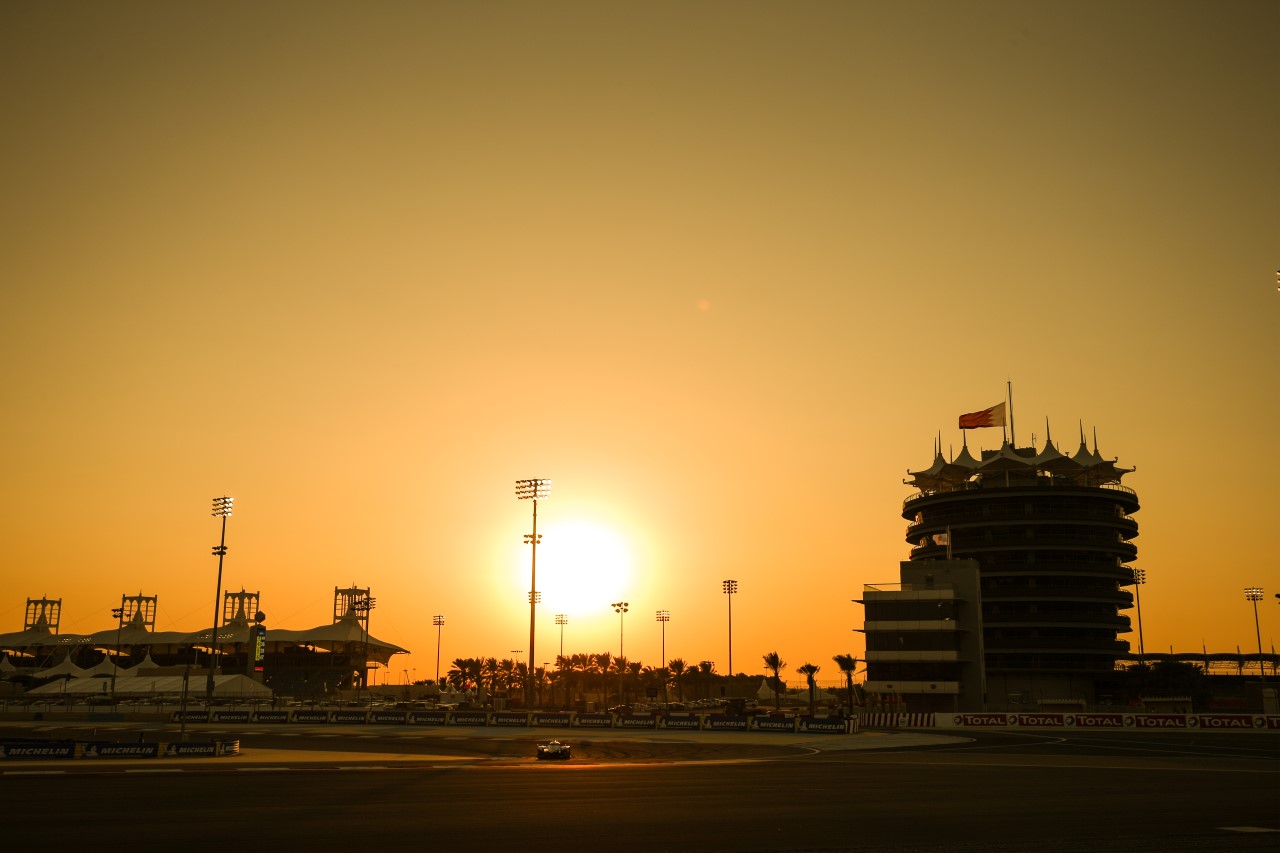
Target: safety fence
{"x": 1075, "y": 720}
{"x": 530, "y": 719}
{"x": 37, "y": 749}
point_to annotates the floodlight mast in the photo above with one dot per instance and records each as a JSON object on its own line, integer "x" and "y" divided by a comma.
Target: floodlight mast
{"x": 117, "y": 612}
{"x": 363, "y": 605}
{"x": 621, "y": 607}
{"x": 1139, "y": 578}
{"x": 438, "y": 621}
{"x": 1254, "y": 594}
{"x": 221, "y": 509}
{"x": 532, "y": 490}
{"x": 562, "y": 620}
{"x": 730, "y": 587}
{"x": 664, "y": 616}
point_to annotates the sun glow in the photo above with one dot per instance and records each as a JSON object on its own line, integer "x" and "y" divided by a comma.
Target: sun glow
{"x": 582, "y": 566}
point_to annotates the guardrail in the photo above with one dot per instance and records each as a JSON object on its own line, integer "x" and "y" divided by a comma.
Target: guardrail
{"x": 1075, "y": 720}
{"x": 529, "y": 719}
{"x": 26, "y": 750}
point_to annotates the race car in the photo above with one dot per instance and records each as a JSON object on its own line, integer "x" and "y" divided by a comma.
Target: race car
{"x": 553, "y": 751}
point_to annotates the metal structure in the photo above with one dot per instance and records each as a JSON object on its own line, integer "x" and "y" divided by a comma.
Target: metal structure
{"x": 532, "y": 490}
{"x": 438, "y": 621}
{"x": 1139, "y": 578}
{"x": 1254, "y": 594}
{"x": 363, "y": 607}
{"x": 43, "y": 614}
{"x": 221, "y": 509}
{"x": 664, "y": 616}
{"x": 730, "y": 587}
{"x": 118, "y": 613}
{"x": 620, "y": 607}
{"x": 562, "y": 620}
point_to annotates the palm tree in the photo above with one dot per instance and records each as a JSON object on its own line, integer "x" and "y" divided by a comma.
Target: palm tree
{"x": 583, "y": 666}
{"x": 775, "y": 664}
{"x": 562, "y": 678}
{"x": 620, "y": 669}
{"x": 504, "y": 675}
{"x": 651, "y": 677}
{"x": 465, "y": 673}
{"x": 809, "y": 670}
{"x": 706, "y": 669}
{"x": 600, "y": 664}
{"x": 489, "y": 674}
{"x": 632, "y": 671}
{"x": 676, "y": 666}
{"x": 847, "y": 664}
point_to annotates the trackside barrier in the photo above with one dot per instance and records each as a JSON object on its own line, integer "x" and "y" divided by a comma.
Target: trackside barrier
{"x": 885, "y": 720}
{"x": 1077, "y": 720}
{"x": 25, "y": 750}
{"x": 532, "y": 719}
{"x": 40, "y": 749}
{"x": 1116, "y": 720}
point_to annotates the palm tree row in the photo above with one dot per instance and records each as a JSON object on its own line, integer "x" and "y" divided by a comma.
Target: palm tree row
{"x": 606, "y": 675}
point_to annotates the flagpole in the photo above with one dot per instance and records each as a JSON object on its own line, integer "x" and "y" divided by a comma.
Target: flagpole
{"x": 1013, "y": 440}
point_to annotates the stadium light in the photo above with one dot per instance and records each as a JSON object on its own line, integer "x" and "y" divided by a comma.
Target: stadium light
{"x": 221, "y": 509}
{"x": 438, "y": 621}
{"x": 532, "y": 490}
{"x": 730, "y": 587}
{"x": 664, "y": 616}
{"x": 1254, "y": 594}
{"x": 1139, "y": 578}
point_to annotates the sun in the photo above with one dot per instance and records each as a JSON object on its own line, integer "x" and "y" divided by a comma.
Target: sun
{"x": 582, "y": 567}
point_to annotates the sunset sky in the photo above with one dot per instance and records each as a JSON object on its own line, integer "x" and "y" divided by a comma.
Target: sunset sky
{"x": 724, "y": 271}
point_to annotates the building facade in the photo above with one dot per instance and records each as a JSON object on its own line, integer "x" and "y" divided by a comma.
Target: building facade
{"x": 1052, "y": 536}
{"x": 924, "y": 638}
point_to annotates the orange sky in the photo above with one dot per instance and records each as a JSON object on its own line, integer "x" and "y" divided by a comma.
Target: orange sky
{"x": 721, "y": 270}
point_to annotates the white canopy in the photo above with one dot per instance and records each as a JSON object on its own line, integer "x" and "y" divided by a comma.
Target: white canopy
{"x": 224, "y": 686}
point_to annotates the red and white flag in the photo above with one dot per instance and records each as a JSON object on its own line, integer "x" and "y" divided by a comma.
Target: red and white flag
{"x": 992, "y": 417}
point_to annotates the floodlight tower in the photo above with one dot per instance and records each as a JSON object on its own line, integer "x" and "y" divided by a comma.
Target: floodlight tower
{"x": 438, "y": 621}
{"x": 730, "y": 587}
{"x": 1254, "y": 594}
{"x": 562, "y": 620}
{"x": 117, "y": 612}
{"x": 620, "y": 607}
{"x": 221, "y": 509}
{"x": 532, "y": 490}
{"x": 1139, "y": 578}
{"x": 363, "y": 606}
{"x": 664, "y": 616}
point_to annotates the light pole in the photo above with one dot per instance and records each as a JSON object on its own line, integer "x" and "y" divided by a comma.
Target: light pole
{"x": 620, "y": 607}
{"x": 117, "y": 612}
{"x": 730, "y": 587}
{"x": 664, "y": 616}
{"x": 221, "y": 509}
{"x": 562, "y": 620}
{"x": 532, "y": 490}
{"x": 1254, "y": 594}
{"x": 363, "y": 605}
{"x": 1139, "y": 578}
{"x": 438, "y": 621}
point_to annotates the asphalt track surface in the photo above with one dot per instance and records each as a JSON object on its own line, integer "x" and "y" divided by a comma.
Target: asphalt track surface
{"x": 341, "y": 787}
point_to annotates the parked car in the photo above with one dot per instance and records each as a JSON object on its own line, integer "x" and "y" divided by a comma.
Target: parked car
{"x": 554, "y": 751}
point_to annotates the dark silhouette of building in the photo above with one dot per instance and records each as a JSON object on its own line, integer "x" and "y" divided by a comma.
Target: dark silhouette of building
{"x": 924, "y": 638}
{"x": 1053, "y": 538}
